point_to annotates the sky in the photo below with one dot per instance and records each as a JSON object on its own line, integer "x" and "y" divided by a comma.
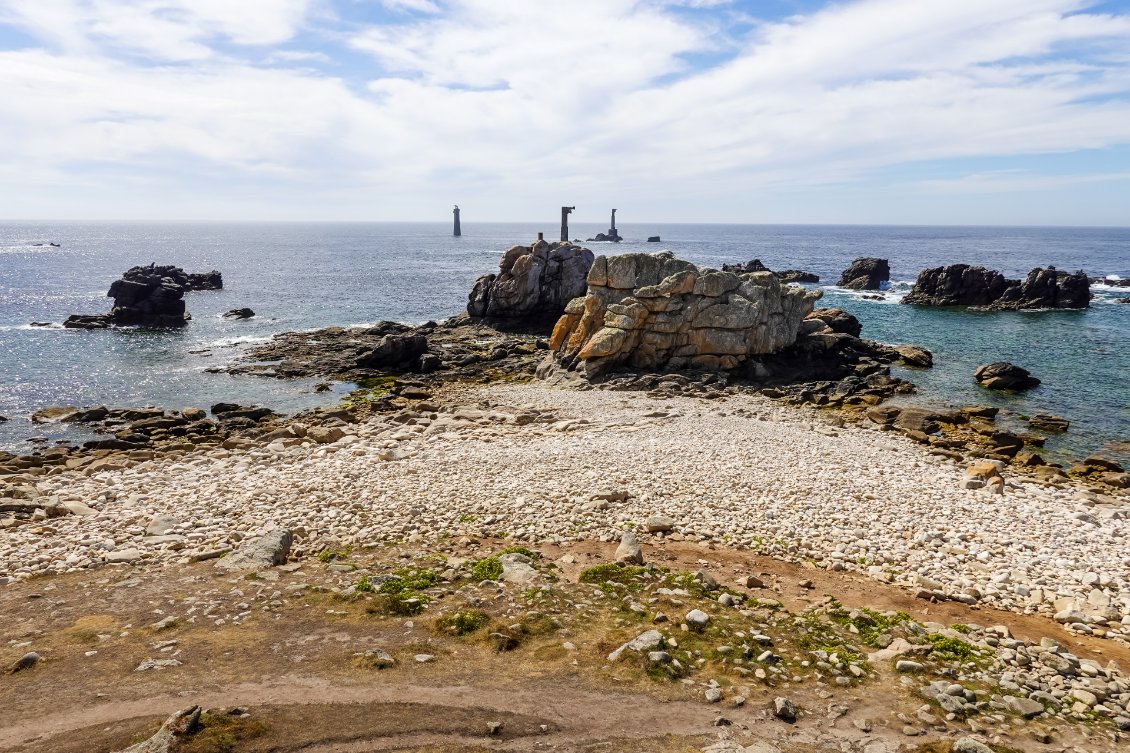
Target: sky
{"x": 1012, "y": 112}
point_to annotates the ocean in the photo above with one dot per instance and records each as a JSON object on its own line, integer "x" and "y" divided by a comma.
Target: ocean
{"x": 310, "y": 275}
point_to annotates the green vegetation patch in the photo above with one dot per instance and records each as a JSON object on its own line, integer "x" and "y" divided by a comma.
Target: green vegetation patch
{"x": 627, "y": 575}
{"x": 951, "y": 650}
{"x": 487, "y": 569}
{"x": 220, "y": 733}
{"x": 369, "y": 391}
{"x": 462, "y": 622}
{"x": 868, "y": 622}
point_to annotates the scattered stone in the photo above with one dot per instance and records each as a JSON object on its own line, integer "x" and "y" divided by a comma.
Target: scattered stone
{"x": 784, "y": 709}
{"x": 629, "y": 551}
{"x": 259, "y": 553}
{"x": 27, "y": 661}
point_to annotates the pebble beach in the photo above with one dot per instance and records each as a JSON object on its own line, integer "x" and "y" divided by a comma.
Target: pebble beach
{"x": 534, "y": 464}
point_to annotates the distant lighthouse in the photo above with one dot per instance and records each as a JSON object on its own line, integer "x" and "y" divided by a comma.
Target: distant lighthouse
{"x": 458, "y": 231}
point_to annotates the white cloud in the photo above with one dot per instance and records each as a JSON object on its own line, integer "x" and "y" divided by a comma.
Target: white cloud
{"x": 418, "y": 6}
{"x": 163, "y": 29}
{"x": 999, "y": 181}
{"x": 525, "y": 103}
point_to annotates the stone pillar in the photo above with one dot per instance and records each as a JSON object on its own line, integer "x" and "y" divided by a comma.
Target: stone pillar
{"x": 613, "y": 223}
{"x": 565, "y": 211}
{"x": 458, "y": 231}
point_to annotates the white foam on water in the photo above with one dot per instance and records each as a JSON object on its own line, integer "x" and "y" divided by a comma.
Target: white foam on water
{"x": 228, "y": 342}
{"x": 889, "y": 296}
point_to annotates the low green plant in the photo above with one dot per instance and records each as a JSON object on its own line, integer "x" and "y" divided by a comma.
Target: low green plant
{"x": 521, "y": 550}
{"x": 949, "y": 650}
{"x": 462, "y": 622}
{"x": 612, "y": 573}
{"x": 488, "y": 568}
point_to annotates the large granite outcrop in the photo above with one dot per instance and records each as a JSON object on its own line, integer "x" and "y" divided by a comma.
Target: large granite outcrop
{"x": 866, "y": 274}
{"x": 656, "y": 312}
{"x": 533, "y": 283}
{"x": 149, "y": 296}
{"x": 965, "y": 285}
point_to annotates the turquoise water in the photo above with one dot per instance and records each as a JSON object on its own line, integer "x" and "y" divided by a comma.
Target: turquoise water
{"x": 304, "y": 276}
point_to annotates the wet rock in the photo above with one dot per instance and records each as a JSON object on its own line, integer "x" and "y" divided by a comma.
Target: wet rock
{"x": 1049, "y": 423}
{"x": 53, "y": 415}
{"x": 239, "y": 314}
{"x": 1004, "y": 376}
{"x": 866, "y": 274}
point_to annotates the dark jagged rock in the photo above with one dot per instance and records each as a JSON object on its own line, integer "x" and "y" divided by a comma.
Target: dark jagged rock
{"x": 1046, "y": 289}
{"x": 395, "y": 351}
{"x": 789, "y": 275}
{"x": 957, "y": 285}
{"x": 533, "y": 284}
{"x": 88, "y": 321}
{"x": 653, "y": 239}
{"x": 796, "y": 275}
{"x": 749, "y": 267}
{"x": 963, "y": 285}
{"x": 1004, "y": 376}
{"x": 867, "y": 273}
{"x": 1122, "y": 300}
{"x": 239, "y": 314}
{"x": 609, "y": 237}
{"x": 1114, "y": 282}
{"x": 149, "y": 296}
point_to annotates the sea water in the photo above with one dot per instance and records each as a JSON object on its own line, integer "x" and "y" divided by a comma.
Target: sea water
{"x": 309, "y": 275}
